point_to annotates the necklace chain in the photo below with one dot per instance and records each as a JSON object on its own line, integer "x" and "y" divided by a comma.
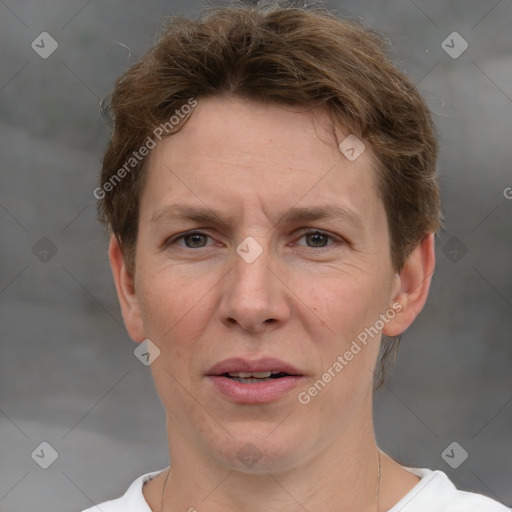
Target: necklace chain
{"x": 378, "y": 485}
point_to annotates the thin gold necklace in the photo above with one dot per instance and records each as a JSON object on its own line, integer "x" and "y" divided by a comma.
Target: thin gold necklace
{"x": 378, "y": 486}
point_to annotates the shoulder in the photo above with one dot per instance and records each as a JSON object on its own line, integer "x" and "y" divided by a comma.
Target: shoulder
{"x": 131, "y": 501}
{"x": 436, "y": 492}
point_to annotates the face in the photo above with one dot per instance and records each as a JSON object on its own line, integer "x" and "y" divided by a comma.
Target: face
{"x": 261, "y": 248}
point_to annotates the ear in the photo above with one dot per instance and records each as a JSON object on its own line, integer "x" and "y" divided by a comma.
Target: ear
{"x": 126, "y": 292}
{"x": 413, "y": 285}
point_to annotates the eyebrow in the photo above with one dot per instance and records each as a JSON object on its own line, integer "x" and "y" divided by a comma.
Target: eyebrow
{"x": 293, "y": 215}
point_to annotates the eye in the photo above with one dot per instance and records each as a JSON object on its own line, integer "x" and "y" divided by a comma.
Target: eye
{"x": 318, "y": 239}
{"x": 197, "y": 239}
{"x": 192, "y": 239}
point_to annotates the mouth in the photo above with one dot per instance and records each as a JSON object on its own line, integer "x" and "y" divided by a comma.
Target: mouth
{"x": 264, "y": 368}
{"x": 253, "y": 382}
{"x": 254, "y": 377}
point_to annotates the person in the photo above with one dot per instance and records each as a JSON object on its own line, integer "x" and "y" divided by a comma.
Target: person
{"x": 271, "y": 192}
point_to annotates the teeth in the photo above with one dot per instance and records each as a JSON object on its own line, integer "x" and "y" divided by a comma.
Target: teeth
{"x": 251, "y": 381}
{"x": 257, "y": 375}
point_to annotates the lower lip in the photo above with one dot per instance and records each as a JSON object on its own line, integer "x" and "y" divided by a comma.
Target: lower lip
{"x": 254, "y": 393}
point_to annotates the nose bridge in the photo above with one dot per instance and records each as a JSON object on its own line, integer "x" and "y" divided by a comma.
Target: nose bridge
{"x": 251, "y": 296}
{"x": 251, "y": 265}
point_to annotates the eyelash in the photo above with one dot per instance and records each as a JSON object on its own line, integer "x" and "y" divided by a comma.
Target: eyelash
{"x": 173, "y": 240}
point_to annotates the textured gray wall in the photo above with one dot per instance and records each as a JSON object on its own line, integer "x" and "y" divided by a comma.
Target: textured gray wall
{"x": 68, "y": 375}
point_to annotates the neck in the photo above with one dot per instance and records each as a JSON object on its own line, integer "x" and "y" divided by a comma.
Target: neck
{"x": 342, "y": 476}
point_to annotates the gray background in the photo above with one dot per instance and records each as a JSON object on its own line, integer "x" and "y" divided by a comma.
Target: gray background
{"x": 68, "y": 375}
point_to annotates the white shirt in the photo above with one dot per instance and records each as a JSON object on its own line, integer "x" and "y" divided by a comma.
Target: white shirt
{"x": 433, "y": 493}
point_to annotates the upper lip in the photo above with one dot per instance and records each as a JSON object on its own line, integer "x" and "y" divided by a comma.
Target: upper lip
{"x": 265, "y": 364}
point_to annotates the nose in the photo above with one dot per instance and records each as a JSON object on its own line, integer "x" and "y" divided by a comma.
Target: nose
{"x": 254, "y": 298}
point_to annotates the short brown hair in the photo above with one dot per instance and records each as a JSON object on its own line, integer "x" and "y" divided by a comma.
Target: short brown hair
{"x": 281, "y": 55}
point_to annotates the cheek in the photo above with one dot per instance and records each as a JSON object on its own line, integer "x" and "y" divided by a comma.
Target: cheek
{"x": 348, "y": 308}
{"x": 167, "y": 298}
{"x": 174, "y": 314}
{"x": 345, "y": 306}
{"x": 172, "y": 307}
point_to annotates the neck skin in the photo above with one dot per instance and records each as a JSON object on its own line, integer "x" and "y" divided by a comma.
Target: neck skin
{"x": 342, "y": 477}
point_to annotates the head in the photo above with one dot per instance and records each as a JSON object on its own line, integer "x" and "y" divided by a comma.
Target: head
{"x": 235, "y": 126}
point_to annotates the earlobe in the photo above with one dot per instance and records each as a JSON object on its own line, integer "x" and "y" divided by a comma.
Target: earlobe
{"x": 415, "y": 278}
{"x": 126, "y": 293}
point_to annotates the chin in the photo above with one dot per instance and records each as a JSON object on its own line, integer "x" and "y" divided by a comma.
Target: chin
{"x": 261, "y": 448}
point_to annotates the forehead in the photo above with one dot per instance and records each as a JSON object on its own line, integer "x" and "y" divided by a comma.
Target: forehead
{"x": 236, "y": 153}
